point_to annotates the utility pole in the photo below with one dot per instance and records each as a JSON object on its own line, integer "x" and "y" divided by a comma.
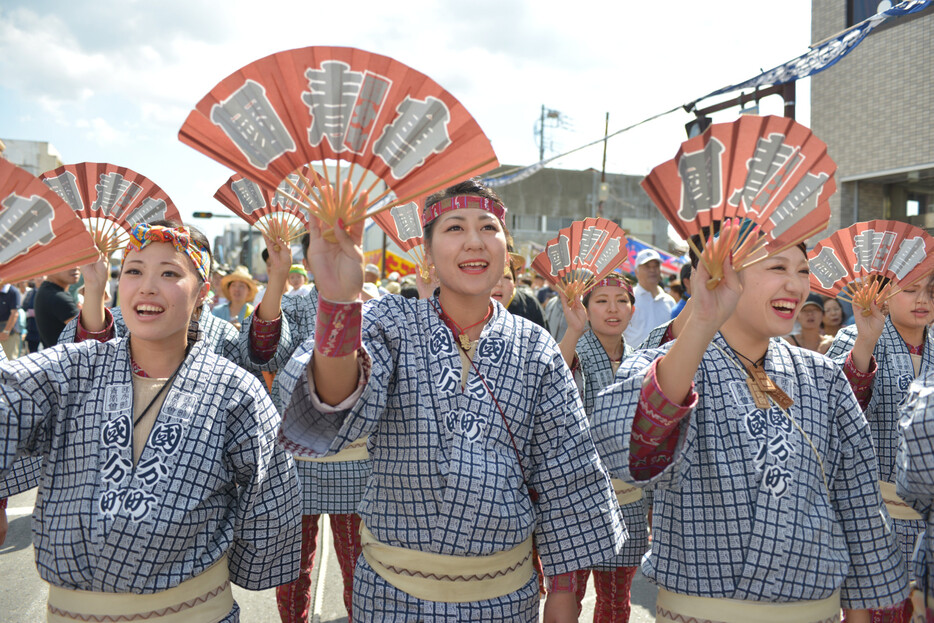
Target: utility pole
{"x": 604, "y": 188}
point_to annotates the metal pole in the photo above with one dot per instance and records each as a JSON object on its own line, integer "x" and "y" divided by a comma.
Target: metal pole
{"x": 788, "y": 94}
{"x": 541, "y": 137}
{"x": 606, "y": 134}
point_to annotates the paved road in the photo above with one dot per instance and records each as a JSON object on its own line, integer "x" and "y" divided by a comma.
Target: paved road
{"x": 23, "y": 593}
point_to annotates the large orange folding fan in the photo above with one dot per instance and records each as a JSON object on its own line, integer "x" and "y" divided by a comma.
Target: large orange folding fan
{"x": 769, "y": 175}
{"x": 870, "y": 262}
{"x": 581, "y": 255}
{"x": 39, "y": 233}
{"x": 110, "y": 199}
{"x": 403, "y": 225}
{"x": 382, "y": 133}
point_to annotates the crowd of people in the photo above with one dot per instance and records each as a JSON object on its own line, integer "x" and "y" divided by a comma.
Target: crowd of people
{"x": 477, "y": 439}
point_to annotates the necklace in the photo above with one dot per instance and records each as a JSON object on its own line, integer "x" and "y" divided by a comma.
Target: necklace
{"x": 760, "y": 385}
{"x": 461, "y": 334}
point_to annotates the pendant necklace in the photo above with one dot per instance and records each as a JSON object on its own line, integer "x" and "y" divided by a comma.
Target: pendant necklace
{"x": 461, "y": 334}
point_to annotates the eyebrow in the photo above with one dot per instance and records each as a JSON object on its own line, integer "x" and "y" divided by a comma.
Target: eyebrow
{"x": 170, "y": 263}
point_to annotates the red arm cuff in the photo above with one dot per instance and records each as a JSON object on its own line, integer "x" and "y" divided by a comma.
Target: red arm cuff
{"x": 564, "y": 583}
{"x": 338, "y": 328}
{"x": 105, "y": 334}
{"x": 264, "y": 336}
{"x": 860, "y": 382}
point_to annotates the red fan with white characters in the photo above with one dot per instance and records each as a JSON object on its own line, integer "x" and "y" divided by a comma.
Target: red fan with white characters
{"x": 770, "y": 176}
{"x": 581, "y": 255}
{"x": 39, "y": 232}
{"x": 378, "y": 133}
{"x": 403, "y": 225}
{"x": 869, "y": 262}
{"x": 273, "y": 213}
{"x": 110, "y": 199}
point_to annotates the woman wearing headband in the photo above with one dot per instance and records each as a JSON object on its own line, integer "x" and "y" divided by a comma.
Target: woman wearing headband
{"x": 477, "y": 434}
{"x": 162, "y": 481}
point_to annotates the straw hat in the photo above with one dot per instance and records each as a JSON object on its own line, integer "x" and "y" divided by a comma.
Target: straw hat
{"x": 240, "y": 273}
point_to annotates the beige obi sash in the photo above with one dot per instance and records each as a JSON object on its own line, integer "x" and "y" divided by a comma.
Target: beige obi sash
{"x": 897, "y": 507}
{"x": 455, "y": 579}
{"x": 354, "y": 451}
{"x": 626, "y": 493}
{"x": 676, "y": 608}
{"x": 205, "y": 598}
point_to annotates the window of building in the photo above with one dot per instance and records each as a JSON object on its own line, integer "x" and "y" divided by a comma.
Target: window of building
{"x": 916, "y": 204}
{"x": 859, "y": 10}
{"x": 527, "y": 222}
{"x": 554, "y": 223}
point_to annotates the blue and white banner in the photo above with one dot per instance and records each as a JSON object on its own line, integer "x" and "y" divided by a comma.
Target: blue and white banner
{"x": 827, "y": 53}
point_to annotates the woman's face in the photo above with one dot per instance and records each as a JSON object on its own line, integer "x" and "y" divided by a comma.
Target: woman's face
{"x": 504, "y": 290}
{"x": 833, "y": 313}
{"x": 159, "y": 290}
{"x": 912, "y": 308}
{"x": 468, "y": 250}
{"x": 238, "y": 292}
{"x": 773, "y": 291}
{"x": 609, "y": 311}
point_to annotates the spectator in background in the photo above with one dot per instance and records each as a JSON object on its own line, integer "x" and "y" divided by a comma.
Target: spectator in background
{"x": 554, "y": 318}
{"x": 653, "y": 305}
{"x": 10, "y": 302}
{"x": 811, "y": 336}
{"x": 833, "y": 316}
{"x": 55, "y": 307}
{"x": 298, "y": 281}
{"x": 523, "y": 301}
{"x": 32, "y": 339}
{"x": 685, "y": 277}
{"x": 239, "y": 289}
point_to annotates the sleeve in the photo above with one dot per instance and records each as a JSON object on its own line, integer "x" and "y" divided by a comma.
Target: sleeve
{"x": 878, "y": 574}
{"x": 266, "y": 549}
{"x": 579, "y": 522}
{"x": 842, "y": 344}
{"x": 860, "y": 382}
{"x": 23, "y": 476}
{"x": 614, "y": 420}
{"x": 914, "y": 462}
{"x": 309, "y": 428}
{"x": 30, "y": 396}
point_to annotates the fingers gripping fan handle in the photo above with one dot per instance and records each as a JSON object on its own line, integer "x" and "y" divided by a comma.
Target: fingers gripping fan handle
{"x": 110, "y": 200}
{"x": 581, "y": 255}
{"x": 770, "y": 174}
{"x": 358, "y": 131}
{"x": 39, "y": 233}
{"x": 869, "y": 262}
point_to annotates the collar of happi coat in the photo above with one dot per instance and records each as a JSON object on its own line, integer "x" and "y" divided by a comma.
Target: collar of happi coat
{"x": 761, "y": 383}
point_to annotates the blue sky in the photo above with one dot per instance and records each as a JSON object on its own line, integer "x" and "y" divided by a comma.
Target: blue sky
{"x": 114, "y": 80}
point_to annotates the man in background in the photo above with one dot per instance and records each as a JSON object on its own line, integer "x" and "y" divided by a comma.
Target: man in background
{"x": 653, "y": 305}
{"x": 685, "y": 277}
{"x": 10, "y": 302}
{"x": 55, "y": 306}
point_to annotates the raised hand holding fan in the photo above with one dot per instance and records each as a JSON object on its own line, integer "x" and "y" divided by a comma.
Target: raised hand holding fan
{"x": 867, "y": 263}
{"x": 581, "y": 255}
{"x": 288, "y": 122}
{"x": 769, "y": 175}
{"x": 110, "y": 199}
{"x": 39, "y": 232}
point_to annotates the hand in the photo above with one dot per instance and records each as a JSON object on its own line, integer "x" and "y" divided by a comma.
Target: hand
{"x": 337, "y": 266}
{"x": 575, "y": 313}
{"x": 280, "y": 260}
{"x": 711, "y": 308}
{"x": 96, "y": 276}
{"x": 560, "y": 607}
{"x": 869, "y": 322}
{"x": 425, "y": 288}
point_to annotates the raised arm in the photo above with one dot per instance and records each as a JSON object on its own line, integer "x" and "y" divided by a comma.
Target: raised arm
{"x": 338, "y": 270}
{"x": 92, "y": 317}
{"x": 576, "y": 317}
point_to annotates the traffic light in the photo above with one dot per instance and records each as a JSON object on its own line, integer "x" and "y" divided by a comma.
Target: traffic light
{"x": 202, "y": 215}
{"x": 697, "y": 126}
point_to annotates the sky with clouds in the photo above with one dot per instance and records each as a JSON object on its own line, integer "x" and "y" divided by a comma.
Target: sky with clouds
{"x": 113, "y": 80}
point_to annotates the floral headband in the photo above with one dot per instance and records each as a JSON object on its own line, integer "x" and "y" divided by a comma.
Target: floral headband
{"x": 435, "y": 210}
{"x": 141, "y": 235}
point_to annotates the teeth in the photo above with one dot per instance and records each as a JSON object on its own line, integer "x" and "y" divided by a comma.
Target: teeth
{"x": 783, "y": 305}
{"x": 149, "y": 308}
{"x": 474, "y": 264}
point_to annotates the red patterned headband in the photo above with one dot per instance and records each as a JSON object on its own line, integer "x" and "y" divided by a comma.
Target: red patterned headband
{"x": 435, "y": 210}
{"x": 143, "y": 234}
{"x": 615, "y": 282}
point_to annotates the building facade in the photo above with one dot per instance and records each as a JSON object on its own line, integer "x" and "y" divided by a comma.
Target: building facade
{"x": 875, "y": 111}
{"x": 37, "y": 157}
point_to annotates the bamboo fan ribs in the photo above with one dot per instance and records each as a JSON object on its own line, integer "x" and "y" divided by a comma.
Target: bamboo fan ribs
{"x": 868, "y": 263}
{"x": 769, "y": 177}
{"x": 581, "y": 255}
{"x": 39, "y": 232}
{"x": 110, "y": 199}
{"x": 337, "y": 133}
